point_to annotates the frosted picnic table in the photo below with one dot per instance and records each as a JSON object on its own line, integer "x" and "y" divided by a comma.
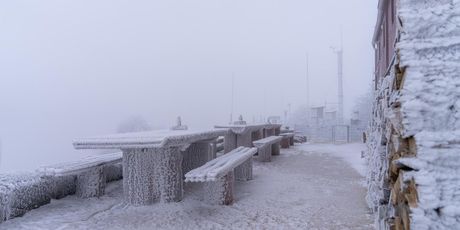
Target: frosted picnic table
{"x": 244, "y": 135}
{"x": 152, "y": 161}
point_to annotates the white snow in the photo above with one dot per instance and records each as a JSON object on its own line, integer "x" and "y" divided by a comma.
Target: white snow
{"x": 306, "y": 187}
{"x": 350, "y": 153}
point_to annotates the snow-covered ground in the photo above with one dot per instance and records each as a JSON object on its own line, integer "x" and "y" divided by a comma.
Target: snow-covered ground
{"x": 310, "y": 186}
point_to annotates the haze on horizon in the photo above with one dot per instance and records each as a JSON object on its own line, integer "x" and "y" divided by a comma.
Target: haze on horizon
{"x": 71, "y": 69}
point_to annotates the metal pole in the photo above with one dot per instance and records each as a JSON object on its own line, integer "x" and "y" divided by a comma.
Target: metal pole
{"x": 233, "y": 97}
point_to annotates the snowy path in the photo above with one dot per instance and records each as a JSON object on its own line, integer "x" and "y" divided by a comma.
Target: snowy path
{"x": 307, "y": 187}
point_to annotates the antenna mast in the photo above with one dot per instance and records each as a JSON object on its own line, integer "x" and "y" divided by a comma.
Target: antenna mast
{"x": 233, "y": 97}
{"x": 340, "y": 78}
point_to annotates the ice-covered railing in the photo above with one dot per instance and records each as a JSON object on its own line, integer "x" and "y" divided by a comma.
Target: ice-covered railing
{"x": 219, "y": 167}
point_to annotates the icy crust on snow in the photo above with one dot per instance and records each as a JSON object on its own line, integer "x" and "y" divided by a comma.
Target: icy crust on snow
{"x": 429, "y": 50}
{"x": 149, "y": 139}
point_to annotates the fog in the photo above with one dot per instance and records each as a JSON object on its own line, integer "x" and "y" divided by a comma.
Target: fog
{"x": 78, "y": 68}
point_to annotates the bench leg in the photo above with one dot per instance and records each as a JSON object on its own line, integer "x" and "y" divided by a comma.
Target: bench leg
{"x": 277, "y": 131}
{"x": 265, "y": 154}
{"x": 292, "y": 141}
{"x": 276, "y": 149}
{"x": 229, "y": 142}
{"x": 244, "y": 171}
{"x": 140, "y": 186}
{"x": 169, "y": 172}
{"x": 91, "y": 183}
{"x": 244, "y": 139}
{"x": 285, "y": 143}
{"x": 221, "y": 191}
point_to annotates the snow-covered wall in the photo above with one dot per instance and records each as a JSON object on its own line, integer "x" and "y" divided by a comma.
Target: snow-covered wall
{"x": 414, "y": 137}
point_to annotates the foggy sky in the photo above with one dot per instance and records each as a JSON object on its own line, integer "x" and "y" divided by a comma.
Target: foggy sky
{"x": 77, "y": 68}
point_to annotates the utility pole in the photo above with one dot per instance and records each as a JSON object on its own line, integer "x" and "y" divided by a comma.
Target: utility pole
{"x": 233, "y": 97}
{"x": 339, "y": 53}
{"x": 308, "y": 86}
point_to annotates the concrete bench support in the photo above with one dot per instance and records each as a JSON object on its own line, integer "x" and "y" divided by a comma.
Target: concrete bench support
{"x": 91, "y": 183}
{"x": 220, "y": 192}
{"x": 151, "y": 174}
{"x": 219, "y": 174}
{"x": 244, "y": 171}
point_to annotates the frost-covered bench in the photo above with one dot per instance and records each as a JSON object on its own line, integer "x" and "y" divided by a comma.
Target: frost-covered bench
{"x": 218, "y": 175}
{"x": 288, "y": 140}
{"x": 267, "y": 147}
{"x": 91, "y": 173}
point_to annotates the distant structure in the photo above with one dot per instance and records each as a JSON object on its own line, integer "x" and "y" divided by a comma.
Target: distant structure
{"x": 240, "y": 121}
{"x": 339, "y": 53}
{"x": 179, "y": 125}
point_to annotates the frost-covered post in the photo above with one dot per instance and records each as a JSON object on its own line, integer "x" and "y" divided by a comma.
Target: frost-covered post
{"x": 170, "y": 173}
{"x": 139, "y": 182}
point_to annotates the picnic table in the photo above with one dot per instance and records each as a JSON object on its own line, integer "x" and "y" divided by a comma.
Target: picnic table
{"x": 244, "y": 134}
{"x": 152, "y": 161}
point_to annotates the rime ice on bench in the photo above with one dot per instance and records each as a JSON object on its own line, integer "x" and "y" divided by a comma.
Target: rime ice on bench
{"x": 267, "y": 147}
{"x": 242, "y": 134}
{"x": 91, "y": 174}
{"x": 152, "y": 161}
{"x": 218, "y": 174}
